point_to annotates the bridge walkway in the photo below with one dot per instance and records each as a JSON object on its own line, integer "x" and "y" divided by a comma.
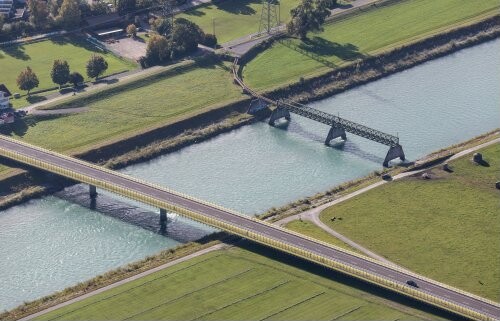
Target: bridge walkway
{"x": 339, "y": 126}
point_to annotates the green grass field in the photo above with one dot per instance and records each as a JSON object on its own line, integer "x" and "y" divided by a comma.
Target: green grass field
{"x": 310, "y": 229}
{"x": 235, "y": 284}
{"x": 40, "y": 56}
{"x": 362, "y": 35}
{"x": 447, "y": 228}
{"x": 234, "y": 19}
{"x": 131, "y": 107}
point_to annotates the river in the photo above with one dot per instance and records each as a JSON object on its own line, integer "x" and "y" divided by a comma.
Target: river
{"x": 50, "y": 243}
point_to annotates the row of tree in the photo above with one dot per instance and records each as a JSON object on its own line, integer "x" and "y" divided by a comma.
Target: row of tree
{"x": 60, "y": 73}
{"x": 174, "y": 39}
{"x": 48, "y": 15}
{"x": 309, "y": 15}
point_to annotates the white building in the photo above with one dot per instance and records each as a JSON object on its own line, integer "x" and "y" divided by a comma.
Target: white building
{"x": 4, "y": 100}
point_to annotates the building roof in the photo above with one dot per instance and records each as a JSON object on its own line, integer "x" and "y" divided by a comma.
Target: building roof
{"x": 5, "y": 90}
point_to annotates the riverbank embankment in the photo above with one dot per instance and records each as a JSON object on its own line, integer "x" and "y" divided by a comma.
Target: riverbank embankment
{"x": 21, "y": 185}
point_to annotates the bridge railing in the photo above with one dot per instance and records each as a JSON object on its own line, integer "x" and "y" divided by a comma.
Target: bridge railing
{"x": 320, "y": 116}
{"x": 295, "y": 250}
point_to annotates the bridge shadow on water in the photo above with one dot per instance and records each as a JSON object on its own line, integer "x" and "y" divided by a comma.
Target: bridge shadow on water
{"x": 344, "y": 279}
{"x": 175, "y": 228}
{"x": 347, "y": 146}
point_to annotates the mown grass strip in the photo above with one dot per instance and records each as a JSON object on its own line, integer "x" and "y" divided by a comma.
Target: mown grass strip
{"x": 131, "y": 317}
{"x": 356, "y": 37}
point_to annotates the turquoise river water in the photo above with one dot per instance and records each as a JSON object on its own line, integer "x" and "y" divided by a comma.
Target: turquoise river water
{"x": 51, "y": 243}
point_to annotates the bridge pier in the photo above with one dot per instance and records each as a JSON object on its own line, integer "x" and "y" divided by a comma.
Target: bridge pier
{"x": 278, "y": 113}
{"x": 163, "y": 221}
{"x": 335, "y": 132}
{"x": 92, "y": 191}
{"x": 394, "y": 152}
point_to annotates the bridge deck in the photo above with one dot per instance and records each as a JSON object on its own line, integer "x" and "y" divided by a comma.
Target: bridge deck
{"x": 350, "y": 263}
{"x": 322, "y": 117}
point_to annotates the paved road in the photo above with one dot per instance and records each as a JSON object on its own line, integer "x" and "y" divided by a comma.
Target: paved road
{"x": 486, "y": 308}
{"x": 313, "y": 214}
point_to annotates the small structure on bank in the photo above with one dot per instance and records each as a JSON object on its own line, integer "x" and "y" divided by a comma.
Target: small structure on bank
{"x": 6, "y": 112}
{"x": 4, "y": 97}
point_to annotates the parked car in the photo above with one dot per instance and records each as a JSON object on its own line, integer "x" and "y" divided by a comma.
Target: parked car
{"x": 412, "y": 283}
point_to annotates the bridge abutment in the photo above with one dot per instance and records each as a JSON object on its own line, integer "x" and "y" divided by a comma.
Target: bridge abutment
{"x": 256, "y": 105}
{"x": 92, "y": 191}
{"x": 335, "y": 132}
{"x": 394, "y": 152}
{"x": 278, "y": 113}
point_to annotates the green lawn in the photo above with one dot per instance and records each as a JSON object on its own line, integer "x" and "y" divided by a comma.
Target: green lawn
{"x": 130, "y": 107}
{"x": 235, "y": 284}
{"x": 40, "y": 56}
{"x": 310, "y": 229}
{"x": 362, "y": 35}
{"x": 234, "y": 19}
{"x": 447, "y": 228}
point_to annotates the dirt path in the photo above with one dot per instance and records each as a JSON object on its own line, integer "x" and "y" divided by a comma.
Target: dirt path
{"x": 132, "y": 278}
{"x": 313, "y": 214}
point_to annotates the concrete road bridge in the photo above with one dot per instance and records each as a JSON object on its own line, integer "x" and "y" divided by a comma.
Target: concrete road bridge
{"x": 344, "y": 261}
{"x": 338, "y": 126}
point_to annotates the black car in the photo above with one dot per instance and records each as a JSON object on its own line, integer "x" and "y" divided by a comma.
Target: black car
{"x": 412, "y": 283}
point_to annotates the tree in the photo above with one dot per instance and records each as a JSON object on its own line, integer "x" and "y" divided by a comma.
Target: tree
{"x": 309, "y": 15}
{"x": 96, "y": 66}
{"x": 27, "y": 80}
{"x": 209, "y": 40}
{"x": 99, "y": 8}
{"x": 60, "y": 72}
{"x": 54, "y": 7}
{"x": 186, "y": 36}
{"x": 125, "y": 6}
{"x": 69, "y": 14}
{"x": 75, "y": 78}
{"x": 39, "y": 13}
{"x": 161, "y": 26}
{"x": 1, "y": 22}
{"x": 158, "y": 50}
{"x": 132, "y": 30}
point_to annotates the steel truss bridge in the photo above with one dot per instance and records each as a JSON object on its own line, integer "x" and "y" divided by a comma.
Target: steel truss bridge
{"x": 338, "y": 126}
{"x": 381, "y": 274}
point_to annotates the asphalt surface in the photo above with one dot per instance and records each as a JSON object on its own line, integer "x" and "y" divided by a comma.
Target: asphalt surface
{"x": 250, "y": 224}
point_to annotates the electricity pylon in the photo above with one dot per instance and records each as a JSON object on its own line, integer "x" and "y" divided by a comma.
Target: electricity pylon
{"x": 270, "y": 15}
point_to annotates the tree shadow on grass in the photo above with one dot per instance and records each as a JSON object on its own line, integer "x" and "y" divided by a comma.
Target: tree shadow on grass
{"x": 20, "y": 126}
{"x": 75, "y": 40}
{"x": 196, "y": 12}
{"x": 343, "y": 279}
{"x": 327, "y": 48}
{"x": 241, "y": 7}
{"x": 33, "y": 99}
{"x": 17, "y": 52}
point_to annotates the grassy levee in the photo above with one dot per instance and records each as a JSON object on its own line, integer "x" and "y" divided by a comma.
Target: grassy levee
{"x": 364, "y": 34}
{"x": 446, "y": 227}
{"x": 131, "y": 107}
{"x": 233, "y": 19}
{"x": 238, "y": 284}
{"x": 40, "y": 56}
